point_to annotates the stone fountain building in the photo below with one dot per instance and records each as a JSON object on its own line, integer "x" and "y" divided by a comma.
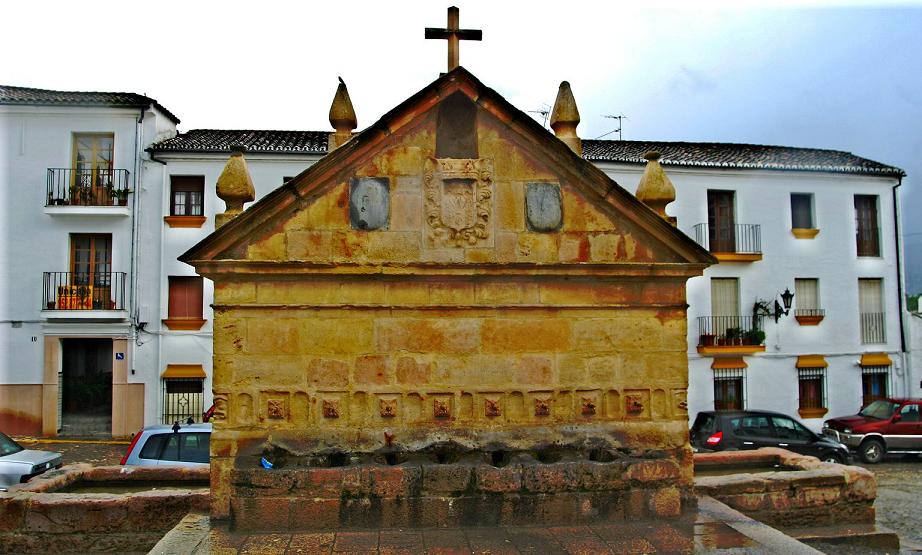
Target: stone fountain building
{"x": 452, "y": 318}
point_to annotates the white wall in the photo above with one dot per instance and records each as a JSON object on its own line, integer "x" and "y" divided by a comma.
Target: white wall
{"x": 33, "y": 241}
{"x": 763, "y": 197}
{"x": 161, "y": 346}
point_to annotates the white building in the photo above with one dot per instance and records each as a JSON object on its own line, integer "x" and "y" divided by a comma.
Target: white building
{"x": 819, "y": 223}
{"x": 69, "y": 258}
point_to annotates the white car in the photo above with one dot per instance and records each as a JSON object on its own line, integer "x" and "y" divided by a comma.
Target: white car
{"x": 175, "y": 445}
{"x": 18, "y": 464}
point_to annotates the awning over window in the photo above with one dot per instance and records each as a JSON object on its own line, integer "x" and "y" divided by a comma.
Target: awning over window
{"x": 875, "y": 359}
{"x": 183, "y": 371}
{"x": 811, "y": 361}
{"x": 727, "y": 363}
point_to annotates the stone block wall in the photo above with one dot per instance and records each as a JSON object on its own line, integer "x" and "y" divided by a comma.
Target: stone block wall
{"x": 448, "y": 322}
{"x": 427, "y": 494}
{"x": 39, "y": 518}
{"x": 806, "y": 492}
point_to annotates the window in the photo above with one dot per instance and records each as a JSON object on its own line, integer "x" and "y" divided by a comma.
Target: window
{"x": 185, "y": 302}
{"x": 729, "y": 389}
{"x": 866, "y": 230}
{"x": 187, "y": 193}
{"x": 787, "y": 428}
{"x": 812, "y": 388}
{"x": 88, "y": 284}
{"x": 871, "y": 311}
{"x": 807, "y": 301}
{"x": 93, "y": 168}
{"x": 721, "y": 222}
{"x": 875, "y": 384}
{"x": 183, "y": 398}
{"x": 910, "y": 413}
{"x": 725, "y": 305}
{"x": 802, "y": 211}
{"x": 183, "y": 447}
{"x": 752, "y": 426}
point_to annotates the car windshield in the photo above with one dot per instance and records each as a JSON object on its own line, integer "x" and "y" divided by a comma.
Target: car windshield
{"x": 879, "y": 410}
{"x": 8, "y": 446}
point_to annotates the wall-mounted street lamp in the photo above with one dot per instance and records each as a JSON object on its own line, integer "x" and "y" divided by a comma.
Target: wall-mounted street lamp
{"x": 762, "y": 308}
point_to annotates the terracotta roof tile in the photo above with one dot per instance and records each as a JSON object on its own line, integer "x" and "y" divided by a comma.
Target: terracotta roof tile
{"x": 44, "y": 97}
{"x": 733, "y": 155}
{"x": 713, "y": 155}
{"x": 221, "y": 140}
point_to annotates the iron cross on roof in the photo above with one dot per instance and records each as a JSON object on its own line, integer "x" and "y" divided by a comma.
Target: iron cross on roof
{"x": 453, "y": 34}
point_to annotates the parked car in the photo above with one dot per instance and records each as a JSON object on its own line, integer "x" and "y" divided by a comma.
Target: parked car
{"x": 752, "y": 429}
{"x": 884, "y": 426}
{"x": 174, "y": 445}
{"x": 18, "y": 464}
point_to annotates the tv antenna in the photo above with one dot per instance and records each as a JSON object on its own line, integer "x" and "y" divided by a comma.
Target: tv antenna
{"x": 545, "y": 111}
{"x": 620, "y": 118}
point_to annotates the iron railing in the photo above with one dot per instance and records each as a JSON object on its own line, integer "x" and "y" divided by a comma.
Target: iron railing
{"x": 84, "y": 291}
{"x": 730, "y": 330}
{"x": 183, "y": 398}
{"x": 735, "y": 238}
{"x": 87, "y": 187}
{"x": 809, "y": 312}
{"x": 872, "y": 327}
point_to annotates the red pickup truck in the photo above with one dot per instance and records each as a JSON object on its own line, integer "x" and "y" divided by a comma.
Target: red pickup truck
{"x": 884, "y": 426}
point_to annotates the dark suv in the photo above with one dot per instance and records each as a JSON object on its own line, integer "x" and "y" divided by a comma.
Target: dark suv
{"x": 886, "y": 425}
{"x": 752, "y": 429}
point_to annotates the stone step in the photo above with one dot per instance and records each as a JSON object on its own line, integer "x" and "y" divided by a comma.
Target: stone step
{"x": 847, "y": 538}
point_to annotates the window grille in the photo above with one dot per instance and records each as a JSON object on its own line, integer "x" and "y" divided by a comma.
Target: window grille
{"x": 875, "y": 383}
{"x": 183, "y": 398}
{"x": 812, "y": 386}
{"x": 730, "y": 389}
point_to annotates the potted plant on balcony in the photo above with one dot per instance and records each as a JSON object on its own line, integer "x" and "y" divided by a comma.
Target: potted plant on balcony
{"x": 755, "y": 336}
{"x": 121, "y": 196}
{"x": 734, "y": 336}
{"x": 707, "y": 339}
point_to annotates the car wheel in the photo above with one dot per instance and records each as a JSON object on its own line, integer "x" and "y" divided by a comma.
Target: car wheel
{"x": 833, "y": 458}
{"x": 872, "y": 451}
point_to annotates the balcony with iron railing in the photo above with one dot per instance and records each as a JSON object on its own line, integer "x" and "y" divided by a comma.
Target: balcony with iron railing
{"x": 731, "y": 242}
{"x": 809, "y": 316}
{"x": 84, "y": 295}
{"x": 739, "y": 335}
{"x": 873, "y": 328}
{"x": 67, "y": 188}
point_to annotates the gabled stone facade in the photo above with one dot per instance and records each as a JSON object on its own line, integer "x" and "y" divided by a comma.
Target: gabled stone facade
{"x": 452, "y": 285}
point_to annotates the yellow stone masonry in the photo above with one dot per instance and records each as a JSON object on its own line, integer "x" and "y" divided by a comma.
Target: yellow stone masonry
{"x": 434, "y": 328}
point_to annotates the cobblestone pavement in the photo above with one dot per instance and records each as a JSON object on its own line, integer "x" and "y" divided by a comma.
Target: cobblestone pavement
{"x": 75, "y": 450}
{"x": 899, "y": 498}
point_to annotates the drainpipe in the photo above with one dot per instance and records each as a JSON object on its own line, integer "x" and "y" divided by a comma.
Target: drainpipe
{"x": 135, "y": 217}
{"x": 899, "y": 286}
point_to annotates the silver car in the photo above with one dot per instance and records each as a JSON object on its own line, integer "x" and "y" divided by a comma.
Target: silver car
{"x": 175, "y": 445}
{"x": 18, "y": 464}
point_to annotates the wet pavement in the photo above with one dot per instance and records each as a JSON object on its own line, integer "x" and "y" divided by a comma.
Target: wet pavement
{"x": 712, "y": 528}
{"x": 80, "y": 450}
{"x": 899, "y": 498}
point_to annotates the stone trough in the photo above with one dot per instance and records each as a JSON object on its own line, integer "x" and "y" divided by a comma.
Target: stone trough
{"x": 782, "y": 488}
{"x": 428, "y": 490}
{"x": 140, "y": 504}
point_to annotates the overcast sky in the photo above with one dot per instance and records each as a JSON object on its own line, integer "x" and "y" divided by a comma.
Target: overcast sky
{"x": 842, "y": 75}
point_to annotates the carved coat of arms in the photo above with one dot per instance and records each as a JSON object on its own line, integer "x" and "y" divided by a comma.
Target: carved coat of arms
{"x": 459, "y": 199}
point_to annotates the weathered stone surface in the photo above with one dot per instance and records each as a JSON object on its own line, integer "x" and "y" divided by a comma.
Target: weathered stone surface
{"x": 402, "y": 301}
{"x": 369, "y": 203}
{"x": 543, "y": 206}
{"x": 653, "y": 471}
